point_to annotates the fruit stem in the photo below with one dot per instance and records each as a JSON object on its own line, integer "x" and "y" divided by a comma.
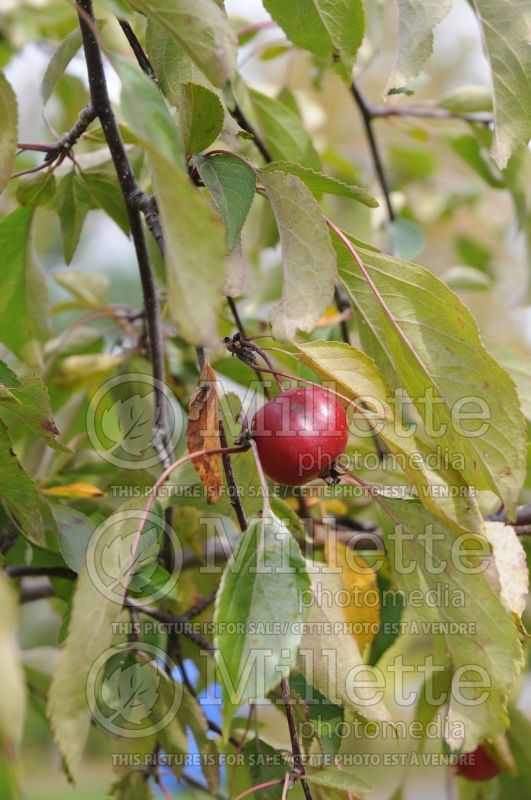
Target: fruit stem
{"x": 267, "y": 360}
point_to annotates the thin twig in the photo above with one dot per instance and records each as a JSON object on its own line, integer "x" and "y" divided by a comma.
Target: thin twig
{"x": 366, "y": 116}
{"x": 178, "y": 624}
{"x": 32, "y": 571}
{"x": 102, "y": 107}
{"x": 523, "y": 516}
{"x": 165, "y": 793}
{"x": 137, "y": 49}
{"x": 342, "y": 304}
{"x": 243, "y": 122}
{"x": 429, "y": 112}
{"x": 259, "y": 787}
{"x": 298, "y": 762}
{"x": 63, "y": 145}
{"x": 239, "y": 324}
{"x": 234, "y": 496}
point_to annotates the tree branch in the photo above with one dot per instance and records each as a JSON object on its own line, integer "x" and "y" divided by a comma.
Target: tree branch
{"x": 367, "y": 118}
{"x": 138, "y": 50}
{"x": 102, "y": 107}
{"x": 244, "y": 123}
{"x": 298, "y": 762}
{"x": 179, "y": 624}
{"x": 31, "y": 571}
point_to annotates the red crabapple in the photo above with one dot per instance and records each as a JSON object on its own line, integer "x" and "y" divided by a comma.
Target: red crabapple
{"x": 477, "y": 766}
{"x": 299, "y": 434}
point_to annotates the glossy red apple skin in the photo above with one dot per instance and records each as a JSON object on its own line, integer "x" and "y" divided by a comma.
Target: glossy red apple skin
{"x": 299, "y": 434}
{"x": 477, "y": 766}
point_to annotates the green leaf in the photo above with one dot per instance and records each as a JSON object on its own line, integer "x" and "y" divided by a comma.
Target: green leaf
{"x": 406, "y": 238}
{"x": 329, "y": 656}
{"x": 192, "y": 716}
{"x": 505, "y": 27}
{"x": 202, "y": 28}
{"x": 424, "y": 333}
{"x": 13, "y": 695}
{"x": 59, "y": 62}
{"x": 519, "y": 733}
{"x": 173, "y": 66}
{"x": 471, "y": 151}
{"x": 252, "y": 664}
{"x": 319, "y": 183}
{"x": 464, "y": 277}
{"x": 195, "y": 246}
{"x": 326, "y": 717}
{"x": 283, "y": 131}
{"x": 357, "y": 377}
{"x": 324, "y": 27}
{"x": 146, "y": 113}
{"x": 265, "y": 764}
{"x": 232, "y": 185}
{"x": 18, "y": 493}
{"x": 105, "y": 193}
{"x": 23, "y": 300}
{"x": 490, "y": 646}
{"x": 8, "y": 130}
{"x": 36, "y": 190}
{"x": 89, "y": 287}
{"x": 467, "y": 99}
{"x": 74, "y": 529}
{"x": 73, "y": 205}
{"x": 201, "y": 116}
{"x": 307, "y": 254}
{"x": 89, "y": 635}
{"x": 131, "y": 786}
{"x": 171, "y": 62}
{"x": 195, "y": 252}
{"x": 518, "y": 366}
{"x": 30, "y": 403}
{"x": 416, "y": 21}
{"x": 343, "y": 779}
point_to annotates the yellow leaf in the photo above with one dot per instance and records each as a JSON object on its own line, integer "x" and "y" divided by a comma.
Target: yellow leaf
{"x": 362, "y": 611}
{"x": 336, "y": 507}
{"x": 75, "y": 490}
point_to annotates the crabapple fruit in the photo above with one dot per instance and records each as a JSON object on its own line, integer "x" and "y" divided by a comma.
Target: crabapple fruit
{"x": 477, "y": 765}
{"x": 299, "y": 434}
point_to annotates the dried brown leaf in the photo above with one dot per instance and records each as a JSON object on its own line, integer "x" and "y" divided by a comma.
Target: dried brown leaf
{"x": 202, "y": 432}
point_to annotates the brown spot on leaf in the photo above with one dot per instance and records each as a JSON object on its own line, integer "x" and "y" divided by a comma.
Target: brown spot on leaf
{"x": 50, "y": 426}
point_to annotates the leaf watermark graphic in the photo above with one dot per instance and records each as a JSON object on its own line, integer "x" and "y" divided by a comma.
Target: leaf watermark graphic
{"x": 129, "y": 423}
{"x": 125, "y": 422}
{"x": 128, "y": 691}
{"x": 133, "y": 691}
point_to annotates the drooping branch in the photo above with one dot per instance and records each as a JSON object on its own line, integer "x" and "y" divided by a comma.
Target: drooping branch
{"x": 102, "y": 107}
